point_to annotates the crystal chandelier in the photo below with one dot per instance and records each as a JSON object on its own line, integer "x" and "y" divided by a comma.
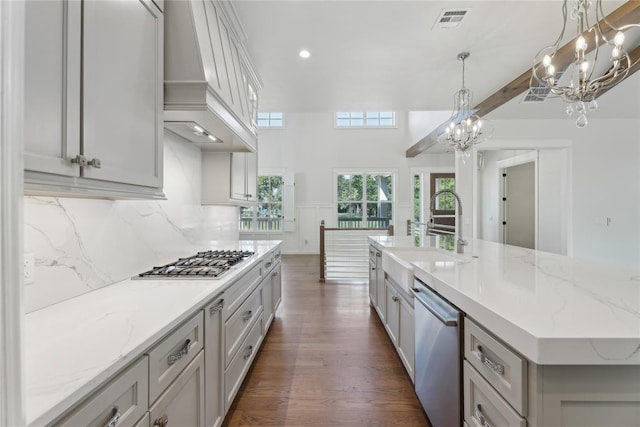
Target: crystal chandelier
{"x": 589, "y": 73}
{"x": 465, "y": 129}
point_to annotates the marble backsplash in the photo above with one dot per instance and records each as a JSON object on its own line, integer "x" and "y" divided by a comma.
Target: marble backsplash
{"x": 84, "y": 244}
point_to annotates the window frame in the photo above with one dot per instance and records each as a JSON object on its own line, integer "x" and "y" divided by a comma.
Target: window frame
{"x": 336, "y": 125}
{"x": 253, "y": 227}
{"x": 393, "y": 172}
{"x": 270, "y": 119}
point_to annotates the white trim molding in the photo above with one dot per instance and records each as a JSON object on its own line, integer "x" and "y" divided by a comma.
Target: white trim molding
{"x": 12, "y": 412}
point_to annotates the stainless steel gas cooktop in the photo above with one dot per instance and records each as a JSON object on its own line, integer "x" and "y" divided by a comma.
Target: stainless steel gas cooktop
{"x": 203, "y": 265}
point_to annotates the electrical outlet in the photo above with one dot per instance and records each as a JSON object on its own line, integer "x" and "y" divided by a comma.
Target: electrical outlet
{"x": 28, "y": 268}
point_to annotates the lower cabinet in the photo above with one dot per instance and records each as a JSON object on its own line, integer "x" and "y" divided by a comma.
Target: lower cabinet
{"x": 399, "y": 324}
{"x": 123, "y": 401}
{"x": 214, "y": 363}
{"x": 276, "y": 287}
{"x": 182, "y": 404}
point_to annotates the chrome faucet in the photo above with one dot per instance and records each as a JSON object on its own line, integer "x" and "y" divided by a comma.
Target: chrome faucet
{"x": 460, "y": 242}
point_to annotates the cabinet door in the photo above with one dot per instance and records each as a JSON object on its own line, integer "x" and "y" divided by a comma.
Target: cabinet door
{"x": 213, "y": 364}
{"x": 392, "y": 318}
{"x": 267, "y": 302}
{"x": 182, "y": 404}
{"x": 238, "y": 176}
{"x": 276, "y": 286}
{"x": 122, "y": 91}
{"x": 252, "y": 176}
{"x": 372, "y": 281}
{"x": 52, "y": 86}
{"x": 381, "y": 295}
{"x": 406, "y": 336}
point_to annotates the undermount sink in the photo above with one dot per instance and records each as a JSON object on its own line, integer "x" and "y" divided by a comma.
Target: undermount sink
{"x": 396, "y": 262}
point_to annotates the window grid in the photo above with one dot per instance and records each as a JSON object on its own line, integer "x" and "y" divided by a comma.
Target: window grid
{"x": 271, "y": 120}
{"x": 365, "y": 200}
{"x": 368, "y": 119}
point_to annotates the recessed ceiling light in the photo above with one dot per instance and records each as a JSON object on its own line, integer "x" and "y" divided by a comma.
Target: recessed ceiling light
{"x": 304, "y": 53}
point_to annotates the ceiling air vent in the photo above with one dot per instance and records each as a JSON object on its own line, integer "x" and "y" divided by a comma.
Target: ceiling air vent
{"x": 538, "y": 93}
{"x": 451, "y": 18}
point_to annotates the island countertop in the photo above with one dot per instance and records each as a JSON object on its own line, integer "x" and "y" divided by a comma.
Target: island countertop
{"x": 553, "y": 309}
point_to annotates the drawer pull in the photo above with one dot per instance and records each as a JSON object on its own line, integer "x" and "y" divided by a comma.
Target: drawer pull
{"x": 115, "y": 417}
{"x": 248, "y": 316}
{"x": 268, "y": 264}
{"x": 481, "y": 419}
{"x": 248, "y": 355}
{"x": 274, "y": 274}
{"x": 163, "y": 421}
{"x": 216, "y": 307}
{"x": 173, "y": 358}
{"x": 394, "y": 298}
{"x": 495, "y": 367}
{"x": 278, "y": 255}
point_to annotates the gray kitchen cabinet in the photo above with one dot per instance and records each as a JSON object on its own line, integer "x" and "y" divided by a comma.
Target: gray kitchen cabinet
{"x": 244, "y": 176}
{"x": 182, "y": 404}
{"x": 123, "y": 401}
{"x": 392, "y": 318}
{"x": 406, "y": 336}
{"x": 213, "y": 363}
{"x": 501, "y": 387}
{"x": 229, "y": 178}
{"x": 373, "y": 268}
{"x": 93, "y": 100}
{"x": 276, "y": 286}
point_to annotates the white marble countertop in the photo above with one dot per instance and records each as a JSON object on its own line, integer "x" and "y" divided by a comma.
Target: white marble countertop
{"x": 553, "y": 309}
{"x": 74, "y": 346}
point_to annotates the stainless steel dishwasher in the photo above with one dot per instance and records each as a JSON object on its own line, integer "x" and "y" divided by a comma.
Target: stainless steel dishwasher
{"x": 437, "y": 362}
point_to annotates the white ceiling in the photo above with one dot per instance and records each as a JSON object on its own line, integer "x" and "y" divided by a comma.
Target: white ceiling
{"x": 379, "y": 55}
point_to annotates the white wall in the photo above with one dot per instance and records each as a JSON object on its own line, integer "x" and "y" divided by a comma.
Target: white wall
{"x": 312, "y": 147}
{"x": 604, "y": 182}
{"x": 84, "y": 244}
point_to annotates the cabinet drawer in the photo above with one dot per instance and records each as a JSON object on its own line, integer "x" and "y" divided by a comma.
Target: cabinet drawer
{"x": 125, "y": 398}
{"x": 238, "y": 325}
{"x": 483, "y": 406}
{"x": 239, "y": 291}
{"x": 240, "y": 364}
{"x": 500, "y": 366}
{"x": 173, "y": 354}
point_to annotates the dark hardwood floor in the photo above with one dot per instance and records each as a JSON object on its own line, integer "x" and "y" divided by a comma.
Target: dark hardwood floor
{"x": 326, "y": 361}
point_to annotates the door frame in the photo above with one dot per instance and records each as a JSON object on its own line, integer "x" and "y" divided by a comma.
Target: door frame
{"x": 503, "y": 165}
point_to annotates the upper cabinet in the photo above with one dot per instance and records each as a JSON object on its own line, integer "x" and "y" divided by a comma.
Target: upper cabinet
{"x": 211, "y": 87}
{"x": 94, "y": 98}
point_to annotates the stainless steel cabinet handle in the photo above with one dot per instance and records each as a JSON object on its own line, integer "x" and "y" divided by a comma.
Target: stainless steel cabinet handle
{"x": 163, "y": 421}
{"x": 494, "y": 366}
{"x": 173, "y": 358}
{"x": 80, "y": 160}
{"x": 115, "y": 417}
{"x": 268, "y": 264}
{"x": 248, "y": 316}
{"x": 216, "y": 307}
{"x": 248, "y": 355}
{"x": 373, "y": 269}
{"x": 274, "y": 274}
{"x": 278, "y": 255}
{"x": 481, "y": 419}
{"x": 394, "y": 298}
{"x": 95, "y": 163}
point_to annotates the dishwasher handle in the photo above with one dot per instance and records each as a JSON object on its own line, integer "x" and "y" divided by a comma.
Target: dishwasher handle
{"x": 441, "y": 309}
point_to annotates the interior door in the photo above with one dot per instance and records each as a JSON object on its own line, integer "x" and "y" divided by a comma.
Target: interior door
{"x": 519, "y": 205}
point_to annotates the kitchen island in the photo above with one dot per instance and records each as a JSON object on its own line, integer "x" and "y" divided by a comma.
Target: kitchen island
{"x": 571, "y": 325}
{"x": 75, "y": 347}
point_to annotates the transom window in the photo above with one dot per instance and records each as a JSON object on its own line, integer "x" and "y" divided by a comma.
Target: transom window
{"x": 365, "y": 119}
{"x": 271, "y": 120}
{"x": 365, "y": 200}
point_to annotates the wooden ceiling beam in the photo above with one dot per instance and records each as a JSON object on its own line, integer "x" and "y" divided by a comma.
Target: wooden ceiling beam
{"x": 628, "y": 13}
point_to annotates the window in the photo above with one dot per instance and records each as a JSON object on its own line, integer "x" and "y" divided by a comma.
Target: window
{"x": 369, "y": 119}
{"x": 365, "y": 200}
{"x": 267, "y": 215}
{"x": 270, "y": 120}
{"x": 424, "y": 185}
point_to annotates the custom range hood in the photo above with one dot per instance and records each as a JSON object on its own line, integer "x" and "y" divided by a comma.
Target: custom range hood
{"x": 210, "y": 88}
